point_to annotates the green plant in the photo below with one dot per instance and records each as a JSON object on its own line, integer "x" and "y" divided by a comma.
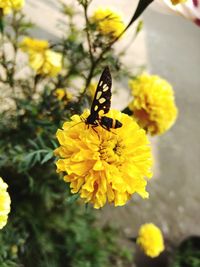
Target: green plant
{"x": 188, "y": 253}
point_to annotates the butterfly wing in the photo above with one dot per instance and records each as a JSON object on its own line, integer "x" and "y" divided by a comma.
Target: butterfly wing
{"x": 102, "y": 98}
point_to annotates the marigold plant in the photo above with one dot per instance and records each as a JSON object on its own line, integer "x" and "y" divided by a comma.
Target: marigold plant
{"x": 4, "y": 203}
{"x": 104, "y": 165}
{"x": 150, "y": 239}
{"x": 153, "y": 105}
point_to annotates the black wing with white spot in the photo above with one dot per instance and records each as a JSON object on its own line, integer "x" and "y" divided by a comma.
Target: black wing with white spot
{"x": 102, "y": 98}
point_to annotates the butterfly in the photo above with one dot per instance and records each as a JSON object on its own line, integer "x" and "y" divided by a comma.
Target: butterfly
{"x": 101, "y": 104}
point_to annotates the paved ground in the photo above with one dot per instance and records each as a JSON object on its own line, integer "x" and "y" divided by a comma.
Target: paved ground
{"x": 173, "y": 51}
{"x": 170, "y": 46}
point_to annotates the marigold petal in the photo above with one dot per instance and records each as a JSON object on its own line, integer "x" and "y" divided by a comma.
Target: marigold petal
{"x": 121, "y": 199}
{"x": 98, "y": 166}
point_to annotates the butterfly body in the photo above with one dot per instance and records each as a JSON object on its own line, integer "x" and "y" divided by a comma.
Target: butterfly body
{"x": 101, "y": 104}
{"x": 109, "y": 123}
{"x": 91, "y": 120}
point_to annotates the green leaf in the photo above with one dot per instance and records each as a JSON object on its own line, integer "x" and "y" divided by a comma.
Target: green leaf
{"x": 28, "y": 159}
{"x": 55, "y": 145}
{"x": 48, "y": 156}
{"x": 73, "y": 198}
{"x": 35, "y": 145}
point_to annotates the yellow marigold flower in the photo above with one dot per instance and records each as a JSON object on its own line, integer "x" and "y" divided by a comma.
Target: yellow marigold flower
{"x": 150, "y": 240}
{"x": 8, "y": 5}
{"x": 4, "y": 203}
{"x": 51, "y": 64}
{"x": 42, "y": 59}
{"x": 153, "y": 105}
{"x": 33, "y": 45}
{"x": 104, "y": 165}
{"x": 108, "y": 22}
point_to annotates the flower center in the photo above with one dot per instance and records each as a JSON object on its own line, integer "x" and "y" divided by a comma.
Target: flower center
{"x": 111, "y": 150}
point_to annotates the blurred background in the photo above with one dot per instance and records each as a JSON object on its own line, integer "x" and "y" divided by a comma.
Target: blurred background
{"x": 169, "y": 46}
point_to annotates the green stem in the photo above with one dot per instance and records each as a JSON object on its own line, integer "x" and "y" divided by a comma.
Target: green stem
{"x": 95, "y": 62}
{"x": 36, "y": 79}
{"x": 88, "y": 33}
{"x": 15, "y": 50}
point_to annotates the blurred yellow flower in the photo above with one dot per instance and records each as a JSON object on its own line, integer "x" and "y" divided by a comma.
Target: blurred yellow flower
{"x": 42, "y": 59}
{"x": 63, "y": 94}
{"x": 153, "y": 105}
{"x": 33, "y": 45}
{"x": 104, "y": 165}
{"x": 8, "y": 5}
{"x": 4, "y": 203}
{"x": 150, "y": 240}
{"x": 108, "y": 22}
{"x": 60, "y": 93}
{"x": 52, "y": 63}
